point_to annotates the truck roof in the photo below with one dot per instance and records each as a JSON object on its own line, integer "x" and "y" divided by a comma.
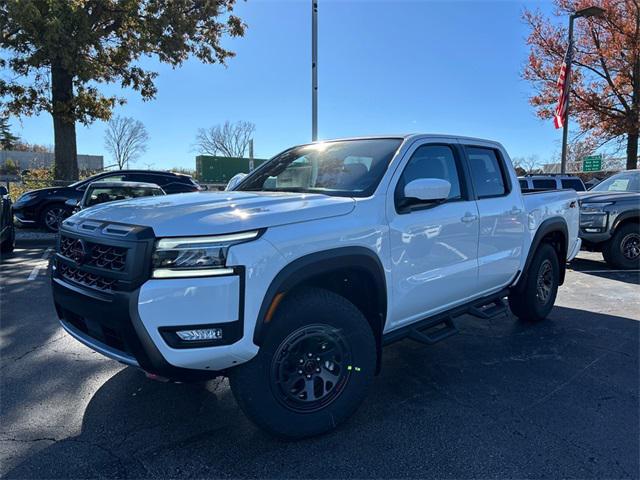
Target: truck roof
{"x": 411, "y": 136}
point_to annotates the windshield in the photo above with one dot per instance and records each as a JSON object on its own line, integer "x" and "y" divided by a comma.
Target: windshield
{"x": 98, "y": 195}
{"x": 620, "y": 182}
{"x": 343, "y": 168}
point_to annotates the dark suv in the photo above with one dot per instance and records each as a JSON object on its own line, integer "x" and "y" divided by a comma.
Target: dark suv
{"x": 610, "y": 219}
{"x": 7, "y": 232}
{"x": 46, "y": 208}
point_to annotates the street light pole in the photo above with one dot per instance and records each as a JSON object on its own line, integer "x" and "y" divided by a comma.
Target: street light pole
{"x": 584, "y": 13}
{"x": 314, "y": 70}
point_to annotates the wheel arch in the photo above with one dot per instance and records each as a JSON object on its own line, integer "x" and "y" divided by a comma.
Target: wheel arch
{"x": 629, "y": 216}
{"x": 348, "y": 271}
{"x": 555, "y": 232}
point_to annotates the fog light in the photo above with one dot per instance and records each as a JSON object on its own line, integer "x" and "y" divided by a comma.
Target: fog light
{"x": 592, "y": 230}
{"x": 200, "y": 334}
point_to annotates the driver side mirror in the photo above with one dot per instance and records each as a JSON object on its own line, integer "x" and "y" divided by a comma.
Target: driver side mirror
{"x": 235, "y": 180}
{"x": 72, "y": 204}
{"x": 3, "y": 191}
{"x": 424, "y": 192}
{"x": 428, "y": 189}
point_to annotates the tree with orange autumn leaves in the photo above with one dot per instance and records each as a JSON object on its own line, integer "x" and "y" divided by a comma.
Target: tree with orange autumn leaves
{"x": 605, "y": 93}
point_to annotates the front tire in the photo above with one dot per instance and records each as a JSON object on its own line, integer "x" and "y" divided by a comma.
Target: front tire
{"x": 534, "y": 300}
{"x": 10, "y": 242}
{"x": 52, "y": 217}
{"x": 313, "y": 369}
{"x": 623, "y": 250}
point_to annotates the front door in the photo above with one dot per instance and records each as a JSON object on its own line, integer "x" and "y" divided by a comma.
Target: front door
{"x": 433, "y": 247}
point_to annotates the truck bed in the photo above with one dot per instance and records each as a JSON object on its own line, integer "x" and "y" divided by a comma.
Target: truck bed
{"x": 541, "y": 205}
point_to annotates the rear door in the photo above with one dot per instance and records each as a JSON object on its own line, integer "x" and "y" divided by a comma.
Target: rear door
{"x": 502, "y": 216}
{"x": 433, "y": 247}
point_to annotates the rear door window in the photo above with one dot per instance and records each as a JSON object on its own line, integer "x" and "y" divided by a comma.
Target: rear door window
{"x": 544, "y": 183}
{"x": 487, "y": 172}
{"x": 574, "y": 183}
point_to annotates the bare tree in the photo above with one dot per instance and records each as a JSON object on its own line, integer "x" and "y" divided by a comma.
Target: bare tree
{"x": 530, "y": 164}
{"x": 126, "y": 139}
{"x": 229, "y": 139}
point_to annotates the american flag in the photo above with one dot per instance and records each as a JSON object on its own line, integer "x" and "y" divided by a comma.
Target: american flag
{"x": 560, "y": 114}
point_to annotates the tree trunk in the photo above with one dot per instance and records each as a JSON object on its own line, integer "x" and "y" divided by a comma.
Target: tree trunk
{"x": 64, "y": 127}
{"x": 632, "y": 150}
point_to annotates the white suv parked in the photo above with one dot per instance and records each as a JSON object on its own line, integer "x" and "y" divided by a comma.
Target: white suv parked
{"x": 551, "y": 182}
{"x": 292, "y": 283}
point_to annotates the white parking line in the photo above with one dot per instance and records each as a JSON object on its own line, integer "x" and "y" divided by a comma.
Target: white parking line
{"x": 42, "y": 263}
{"x": 607, "y": 271}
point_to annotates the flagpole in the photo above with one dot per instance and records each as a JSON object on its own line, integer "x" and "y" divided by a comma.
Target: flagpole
{"x": 592, "y": 11}
{"x": 565, "y": 125}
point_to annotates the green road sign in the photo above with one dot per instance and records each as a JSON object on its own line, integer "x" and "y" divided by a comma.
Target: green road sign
{"x": 592, "y": 163}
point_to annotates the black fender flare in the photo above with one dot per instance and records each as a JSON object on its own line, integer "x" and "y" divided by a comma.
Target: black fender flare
{"x": 313, "y": 264}
{"x": 629, "y": 214}
{"x": 551, "y": 225}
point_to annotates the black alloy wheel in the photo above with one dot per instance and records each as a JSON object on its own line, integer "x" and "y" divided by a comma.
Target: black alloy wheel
{"x": 310, "y": 368}
{"x": 53, "y": 216}
{"x": 544, "y": 283}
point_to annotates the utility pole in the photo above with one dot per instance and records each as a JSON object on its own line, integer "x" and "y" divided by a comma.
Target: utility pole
{"x": 314, "y": 70}
{"x": 251, "y": 163}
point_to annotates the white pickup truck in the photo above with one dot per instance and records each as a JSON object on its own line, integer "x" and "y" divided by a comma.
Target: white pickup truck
{"x": 292, "y": 283}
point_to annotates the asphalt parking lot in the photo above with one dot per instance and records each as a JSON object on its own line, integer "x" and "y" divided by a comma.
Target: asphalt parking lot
{"x": 501, "y": 400}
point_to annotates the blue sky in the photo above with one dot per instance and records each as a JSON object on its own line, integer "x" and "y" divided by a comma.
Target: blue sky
{"x": 384, "y": 67}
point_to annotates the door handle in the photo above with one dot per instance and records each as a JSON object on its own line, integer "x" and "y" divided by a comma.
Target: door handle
{"x": 515, "y": 211}
{"x": 468, "y": 218}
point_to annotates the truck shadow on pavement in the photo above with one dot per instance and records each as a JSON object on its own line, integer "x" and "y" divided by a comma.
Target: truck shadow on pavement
{"x": 600, "y": 269}
{"x": 503, "y": 399}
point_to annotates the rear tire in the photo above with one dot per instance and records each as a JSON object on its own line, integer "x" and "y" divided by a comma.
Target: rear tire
{"x": 313, "y": 369}
{"x": 534, "y": 300}
{"x": 623, "y": 250}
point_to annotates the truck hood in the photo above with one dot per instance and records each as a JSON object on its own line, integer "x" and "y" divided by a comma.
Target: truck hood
{"x": 213, "y": 213}
{"x": 601, "y": 197}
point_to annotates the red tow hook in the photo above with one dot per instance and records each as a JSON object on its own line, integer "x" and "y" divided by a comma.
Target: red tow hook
{"x": 157, "y": 378}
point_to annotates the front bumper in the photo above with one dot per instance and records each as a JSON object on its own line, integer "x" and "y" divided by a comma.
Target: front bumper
{"x": 24, "y": 215}
{"x": 130, "y": 321}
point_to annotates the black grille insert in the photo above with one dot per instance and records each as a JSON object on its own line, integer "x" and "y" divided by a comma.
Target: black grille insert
{"x": 93, "y": 254}
{"x": 85, "y": 278}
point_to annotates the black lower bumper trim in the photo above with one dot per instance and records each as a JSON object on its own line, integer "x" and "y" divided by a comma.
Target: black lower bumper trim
{"x": 111, "y": 326}
{"x": 99, "y": 346}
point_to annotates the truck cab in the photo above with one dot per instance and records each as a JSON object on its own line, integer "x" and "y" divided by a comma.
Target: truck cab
{"x": 292, "y": 282}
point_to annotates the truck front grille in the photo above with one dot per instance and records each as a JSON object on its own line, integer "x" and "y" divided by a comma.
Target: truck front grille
{"x": 87, "y": 279}
{"x": 92, "y": 254}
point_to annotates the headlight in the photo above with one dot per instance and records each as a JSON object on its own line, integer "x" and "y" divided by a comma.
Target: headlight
{"x": 181, "y": 257}
{"x": 594, "y": 207}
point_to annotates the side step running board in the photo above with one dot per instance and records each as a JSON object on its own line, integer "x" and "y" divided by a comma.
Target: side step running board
{"x": 490, "y": 310}
{"x": 441, "y": 326}
{"x": 439, "y": 330}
